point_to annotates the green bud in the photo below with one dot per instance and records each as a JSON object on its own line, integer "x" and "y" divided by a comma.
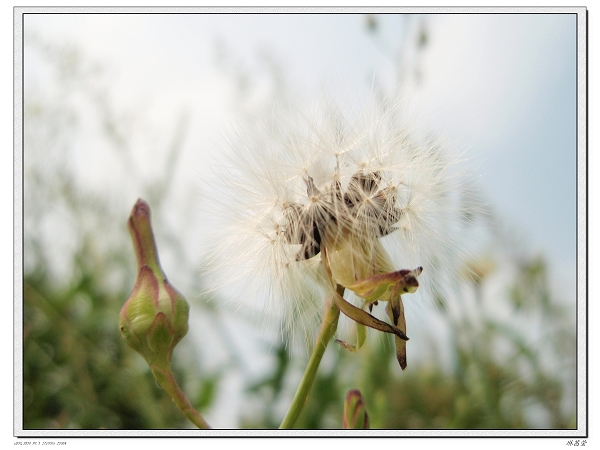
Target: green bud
{"x": 155, "y": 317}
{"x": 355, "y": 414}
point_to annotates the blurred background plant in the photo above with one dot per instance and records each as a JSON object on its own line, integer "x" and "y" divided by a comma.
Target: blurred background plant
{"x": 79, "y": 267}
{"x": 501, "y": 353}
{"x": 513, "y": 370}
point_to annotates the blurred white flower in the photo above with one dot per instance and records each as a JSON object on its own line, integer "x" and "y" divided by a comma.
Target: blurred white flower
{"x": 366, "y": 192}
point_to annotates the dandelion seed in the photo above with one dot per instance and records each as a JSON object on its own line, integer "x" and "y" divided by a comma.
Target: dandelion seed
{"x": 311, "y": 202}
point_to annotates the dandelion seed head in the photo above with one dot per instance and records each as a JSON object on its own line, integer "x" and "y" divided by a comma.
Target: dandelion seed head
{"x": 376, "y": 195}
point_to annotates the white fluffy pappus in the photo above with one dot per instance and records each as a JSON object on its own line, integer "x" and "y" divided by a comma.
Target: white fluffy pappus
{"x": 369, "y": 189}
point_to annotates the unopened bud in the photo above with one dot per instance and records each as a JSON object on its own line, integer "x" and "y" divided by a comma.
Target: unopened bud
{"x": 355, "y": 413}
{"x": 155, "y": 317}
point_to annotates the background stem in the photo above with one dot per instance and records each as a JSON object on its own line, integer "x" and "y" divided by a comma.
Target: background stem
{"x": 167, "y": 381}
{"x": 328, "y": 328}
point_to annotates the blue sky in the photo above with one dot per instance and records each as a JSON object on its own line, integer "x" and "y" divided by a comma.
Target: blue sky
{"x": 503, "y": 86}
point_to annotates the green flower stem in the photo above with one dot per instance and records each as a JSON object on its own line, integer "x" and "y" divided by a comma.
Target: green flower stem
{"x": 165, "y": 378}
{"x": 328, "y": 328}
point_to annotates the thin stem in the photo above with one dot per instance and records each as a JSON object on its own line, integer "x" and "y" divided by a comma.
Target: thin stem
{"x": 328, "y": 327}
{"x": 167, "y": 381}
